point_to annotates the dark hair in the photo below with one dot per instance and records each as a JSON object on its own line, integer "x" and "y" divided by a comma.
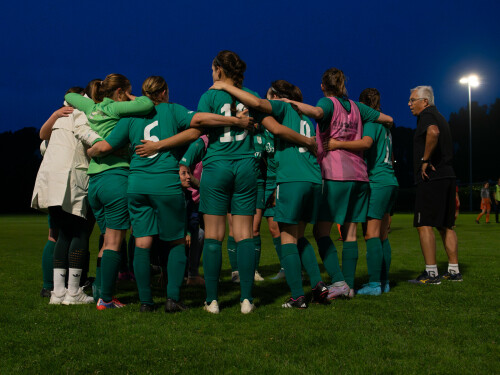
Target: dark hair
{"x": 91, "y": 88}
{"x": 370, "y": 97}
{"x": 232, "y": 65}
{"x": 153, "y": 87}
{"x": 333, "y": 81}
{"x": 75, "y": 90}
{"x": 106, "y": 88}
{"x": 285, "y": 89}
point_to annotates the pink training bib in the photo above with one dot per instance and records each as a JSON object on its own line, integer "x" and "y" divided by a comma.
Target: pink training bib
{"x": 342, "y": 165}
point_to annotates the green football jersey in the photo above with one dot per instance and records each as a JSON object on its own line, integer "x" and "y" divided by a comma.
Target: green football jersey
{"x": 368, "y": 114}
{"x": 294, "y": 163}
{"x": 194, "y": 154}
{"x": 225, "y": 142}
{"x": 103, "y": 117}
{"x": 158, "y": 173}
{"x": 272, "y": 165}
{"x": 379, "y": 156}
{"x": 259, "y": 141}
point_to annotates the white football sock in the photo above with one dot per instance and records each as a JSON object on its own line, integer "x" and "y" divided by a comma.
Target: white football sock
{"x": 453, "y": 268}
{"x": 74, "y": 280}
{"x": 432, "y": 270}
{"x": 59, "y": 281}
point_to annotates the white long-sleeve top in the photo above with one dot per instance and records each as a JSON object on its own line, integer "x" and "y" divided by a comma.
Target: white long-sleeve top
{"x": 62, "y": 178}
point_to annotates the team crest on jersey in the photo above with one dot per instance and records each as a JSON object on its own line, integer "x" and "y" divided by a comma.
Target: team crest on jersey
{"x": 97, "y": 113}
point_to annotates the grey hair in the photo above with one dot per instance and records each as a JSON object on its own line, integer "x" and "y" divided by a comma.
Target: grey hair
{"x": 425, "y": 92}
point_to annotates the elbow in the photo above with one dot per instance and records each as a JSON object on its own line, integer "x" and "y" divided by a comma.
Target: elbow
{"x": 196, "y": 121}
{"x": 317, "y": 113}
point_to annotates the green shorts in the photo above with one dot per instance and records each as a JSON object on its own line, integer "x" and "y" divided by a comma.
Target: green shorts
{"x": 228, "y": 186}
{"x": 152, "y": 214}
{"x": 108, "y": 199}
{"x": 382, "y": 199}
{"x": 260, "y": 201}
{"x": 344, "y": 201}
{"x": 297, "y": 201}
{"x": 269, "y": 198}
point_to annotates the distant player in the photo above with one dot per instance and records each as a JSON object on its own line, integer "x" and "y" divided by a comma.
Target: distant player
{"x": 485, "y": 203}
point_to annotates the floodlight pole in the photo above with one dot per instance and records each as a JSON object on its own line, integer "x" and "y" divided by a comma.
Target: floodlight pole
{"x": 470, "y": 147}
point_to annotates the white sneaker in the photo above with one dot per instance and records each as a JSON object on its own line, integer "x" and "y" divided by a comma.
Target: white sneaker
{"x": 279, "y": 275}
{"x": 247, "y": 307}
{"x": 257, "y": 276}
{"x": 55, "y": 299}
{"x": 80, "y": 298}
{"x": 235, "y": 277}
{"x": 212, "y": 308}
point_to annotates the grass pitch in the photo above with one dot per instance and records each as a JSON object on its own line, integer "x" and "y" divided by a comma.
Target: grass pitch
{"x": 414, "y": 329}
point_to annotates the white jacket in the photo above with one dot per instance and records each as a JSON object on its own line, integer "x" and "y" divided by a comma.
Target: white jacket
{"x": 62, "y": 178}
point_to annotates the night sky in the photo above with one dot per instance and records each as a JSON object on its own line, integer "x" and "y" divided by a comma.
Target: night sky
{"x": 393, "y": 46}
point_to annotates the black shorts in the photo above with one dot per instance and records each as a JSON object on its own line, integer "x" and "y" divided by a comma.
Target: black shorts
{"x": 435, "y": 204}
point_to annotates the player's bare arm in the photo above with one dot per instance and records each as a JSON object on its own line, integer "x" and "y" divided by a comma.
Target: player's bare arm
{"x": 289, "y": 135}
{"x": 360, "y": 145}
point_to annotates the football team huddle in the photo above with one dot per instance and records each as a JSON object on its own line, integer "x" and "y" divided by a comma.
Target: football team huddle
{"x": 177, "y": 178}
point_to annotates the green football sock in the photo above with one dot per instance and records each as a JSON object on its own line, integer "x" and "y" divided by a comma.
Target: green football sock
{"x": 386, "y": 264}
{"x": 309, "y": 261}
{"x": 48, "y": 265}
{"x": 96, "y": 285}
{"x": 231, "y": 252}
{"x": 246, "y": 264}
{"x": 290, "y": 261}
{"x": 257, "y": 245}
{"x": 349, "y": 261}
{"x": 328, "y": 253}
{"x": 374, "y": 259}
{"x": 142, "y": 267}
{"x": 131, "y": 253}
{"x": 277, "y": 246}
{"x": 175, "y": 270}
{"x": 110, "y": 265}
{"x": 212, "y": 263}
{"x": 123, "y": 256}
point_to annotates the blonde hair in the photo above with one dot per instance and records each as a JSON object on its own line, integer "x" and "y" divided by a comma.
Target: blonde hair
{"x": 153, "y": 88}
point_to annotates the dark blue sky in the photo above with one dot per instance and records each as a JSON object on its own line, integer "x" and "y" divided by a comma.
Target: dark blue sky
{"x": 391, "y": 45}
